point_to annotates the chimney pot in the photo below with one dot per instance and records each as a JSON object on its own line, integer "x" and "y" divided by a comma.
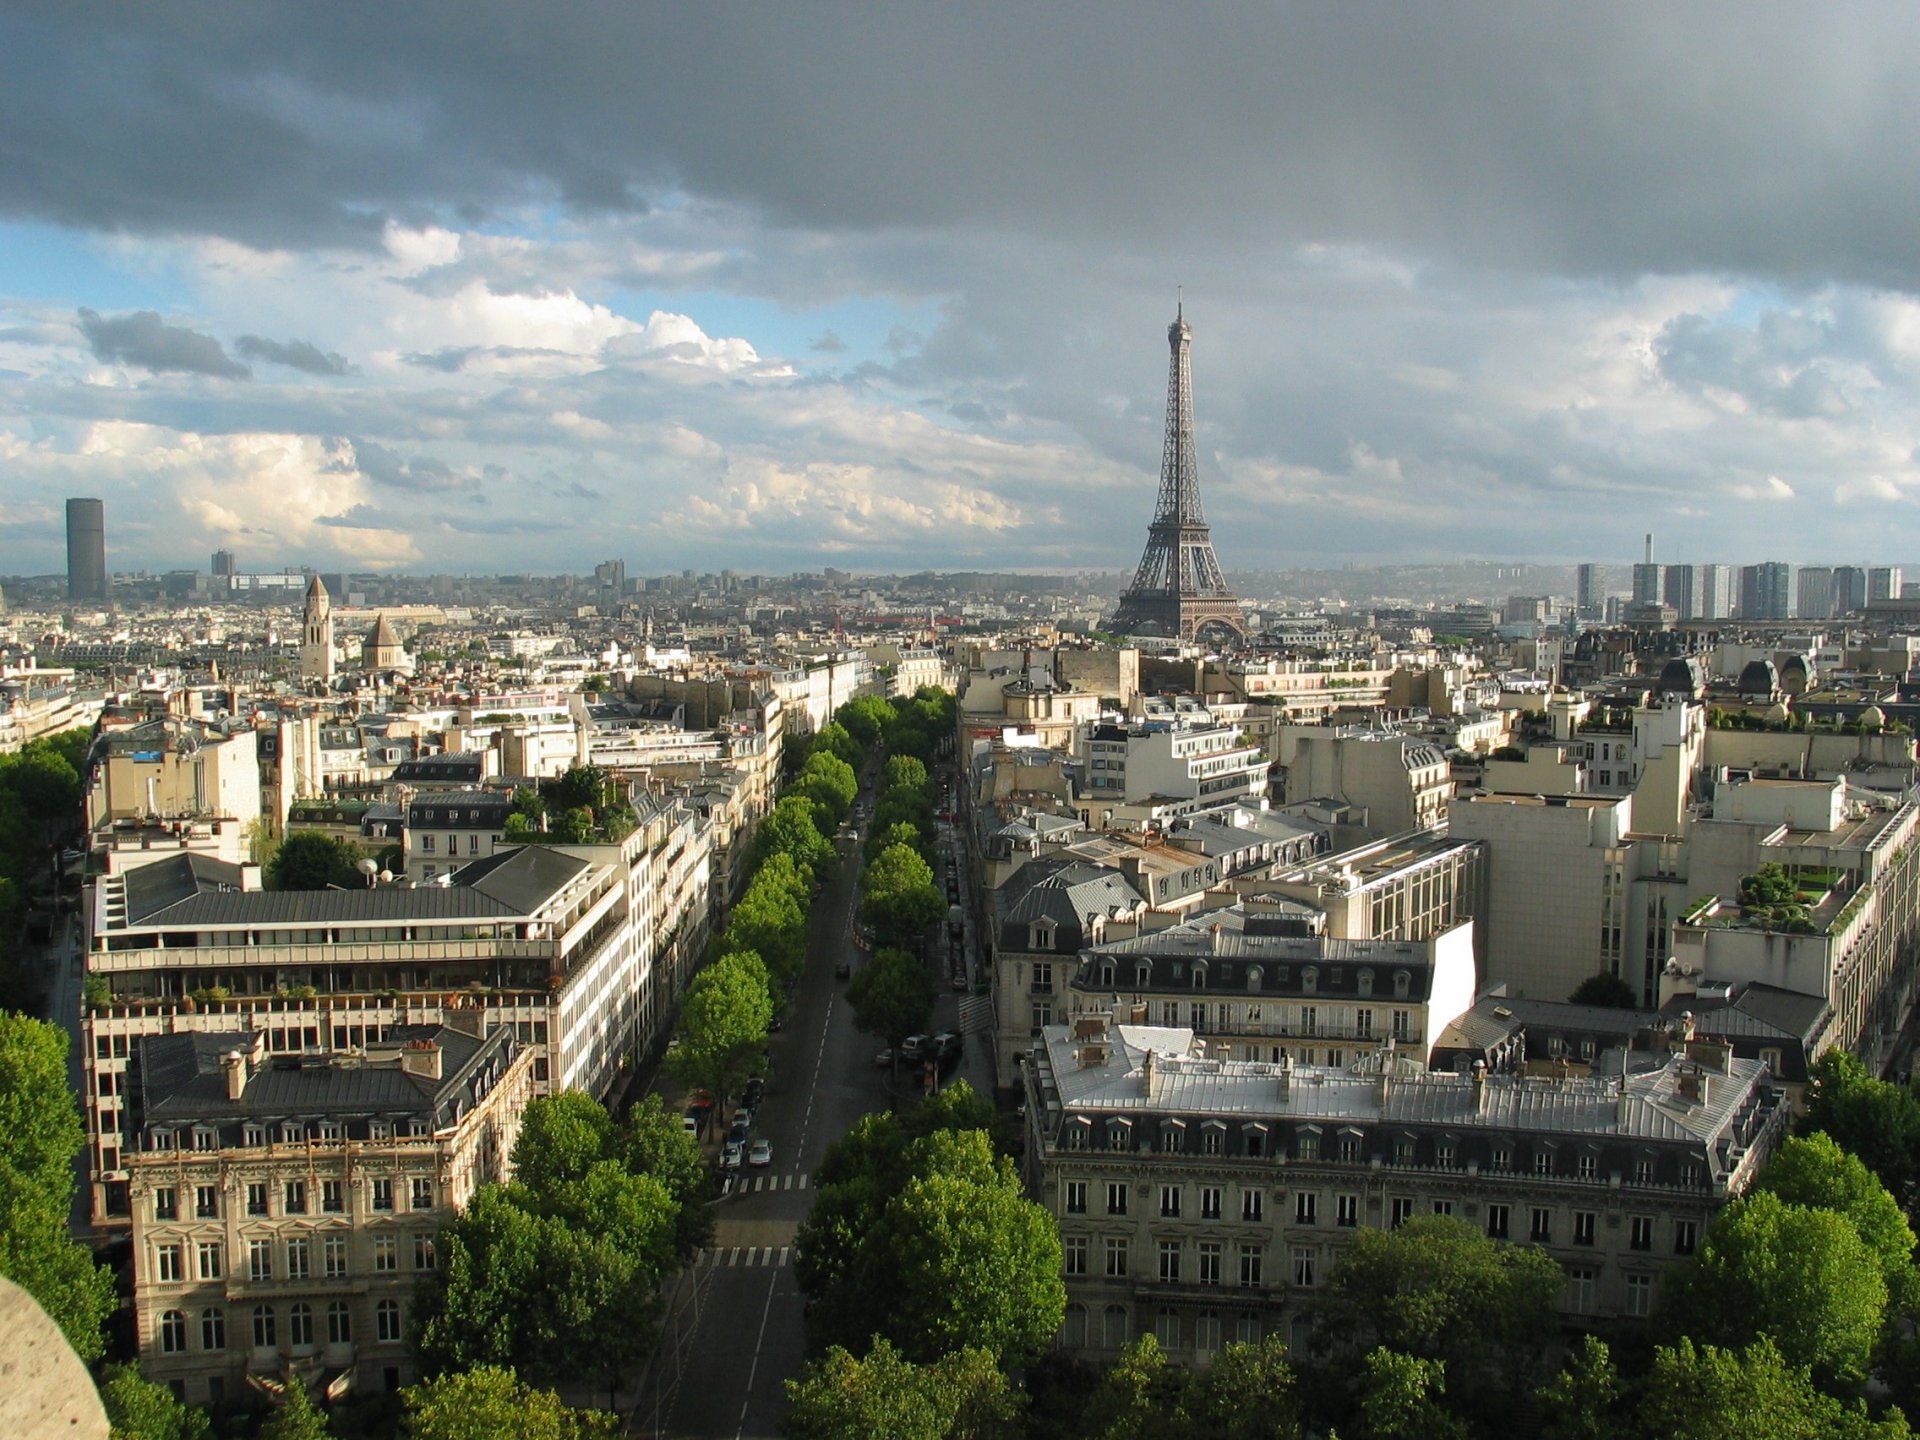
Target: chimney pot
{"x": 234, "y": 1065}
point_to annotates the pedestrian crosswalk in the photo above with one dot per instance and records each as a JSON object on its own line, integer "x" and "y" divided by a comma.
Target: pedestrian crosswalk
{"x": 720, "y": 1257}
{"x": 753, "y": 1184}
{"x": 976, "y": 1014}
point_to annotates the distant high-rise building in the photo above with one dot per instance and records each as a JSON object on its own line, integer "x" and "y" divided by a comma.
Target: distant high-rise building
{"x": 1648, "y": 579}
{"x": 1590, "y": 592}
{"x": 1883, "y": 583}
{"x": 223, "y": 567}
{"x": 1681, "y": 590}
{"x": 1849, "y": 589}
{"x": 86, "y": 550}
{"x": 611, "y": 575}
{"x": 1815, "y": 592}
{"x": 1766, "y": 591}
{"x": 1714, "y": 586}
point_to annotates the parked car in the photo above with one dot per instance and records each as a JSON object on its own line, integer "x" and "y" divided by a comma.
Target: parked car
{"x": 743, "y": 1116}
{"x": 756, "y": 1092}
{"x": 690, "y": 1123}
{"x": 947, "y": 1042}
{"x": 885, "y": 1057}
{"x": 843, "y": 970}
{"x": 737, "y": 1135}
{"x": 730, "y": 1156}
{"x": 912, "y": 1047}
{"x": 761, "y": 1153}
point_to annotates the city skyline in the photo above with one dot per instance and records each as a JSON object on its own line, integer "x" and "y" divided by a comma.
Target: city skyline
{"x": 423, "y": 311}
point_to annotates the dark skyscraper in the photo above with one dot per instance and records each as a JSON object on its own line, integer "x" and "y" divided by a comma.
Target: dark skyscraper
{"x": 86, "y": 550}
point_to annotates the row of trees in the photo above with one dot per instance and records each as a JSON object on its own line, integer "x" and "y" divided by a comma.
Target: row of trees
{"x": 556, "y": 1276}
{"x": 921, "y": 1237}
{"x": 39, "y": 802}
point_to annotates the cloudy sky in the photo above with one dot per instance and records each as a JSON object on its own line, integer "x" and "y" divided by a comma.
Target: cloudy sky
{"x": 497, "y": 286}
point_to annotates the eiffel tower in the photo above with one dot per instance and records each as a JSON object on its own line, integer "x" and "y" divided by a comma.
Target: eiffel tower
{"x": 1178, "y": 590}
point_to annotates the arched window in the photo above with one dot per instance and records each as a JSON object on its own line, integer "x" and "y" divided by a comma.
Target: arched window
{"x": 1074, "y": 1331}
{"x": 1114, "y": 1336}
{"x": 387, "y": 1318}
{"x": 339, "y": 1323}
{"x": 1199, "y": 974}
{"x": 1365, "y": 981}
{"x": 213, "y": 1329}
{"x": 263, "y": 1328}
{"x": 1253, "y": 978}
{"x": 1402, "y": 984}
{"x": 173, "y": 1332}
{"x": 1166, "y": 1327}
{"x": 300, "y": 1325}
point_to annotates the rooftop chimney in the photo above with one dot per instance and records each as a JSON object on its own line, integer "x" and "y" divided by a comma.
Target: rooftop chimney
{"x": 1479, "y": 1086}
{"x": 234, "y": 1065}
{"x": 421, "y": 1057}
{"x": 1149, "y": 1076}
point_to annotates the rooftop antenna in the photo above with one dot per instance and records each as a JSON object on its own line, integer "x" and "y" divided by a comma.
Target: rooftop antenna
{"x": 1179, "y": 302}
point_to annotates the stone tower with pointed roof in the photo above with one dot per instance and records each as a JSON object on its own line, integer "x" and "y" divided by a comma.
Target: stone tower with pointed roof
{"x": 381, "y": 649}
{"x": 316, "y": 635}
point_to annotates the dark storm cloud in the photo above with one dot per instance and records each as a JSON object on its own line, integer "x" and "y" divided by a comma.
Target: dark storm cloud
{"x": 294, "y": 354}
{"x": 144, "y": 339}
{"x": 1606, "y": 140}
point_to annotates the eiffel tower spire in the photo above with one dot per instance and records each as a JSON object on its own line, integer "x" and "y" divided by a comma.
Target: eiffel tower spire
{"x": 1178, "y": 589}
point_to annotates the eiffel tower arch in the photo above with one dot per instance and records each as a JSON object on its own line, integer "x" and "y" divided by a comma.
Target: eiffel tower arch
{"x": 1178, "y": 590}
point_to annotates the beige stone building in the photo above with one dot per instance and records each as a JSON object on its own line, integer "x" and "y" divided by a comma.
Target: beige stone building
{"x": 1206, "y": 1201}
{"x": 285, "y": 1207}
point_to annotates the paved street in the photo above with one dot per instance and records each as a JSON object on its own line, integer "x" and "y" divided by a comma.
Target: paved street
{"x": 734, "y": 1331}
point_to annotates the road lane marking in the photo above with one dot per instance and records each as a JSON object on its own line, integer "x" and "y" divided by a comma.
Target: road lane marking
{"x": 752, "y": 1369}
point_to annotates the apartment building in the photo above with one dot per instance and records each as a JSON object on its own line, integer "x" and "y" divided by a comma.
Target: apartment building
{"x": 285, "y": 1206}
{"x": 582, "y": 951}
{"x": 446, "y": 829}
{"x": 1160, "y": 771}
{"x": 1409, "y": 887}
{"x": 1206, "y": 1200}
{"x": 1259, "y": 983}
{"x": 1401, "y": 782}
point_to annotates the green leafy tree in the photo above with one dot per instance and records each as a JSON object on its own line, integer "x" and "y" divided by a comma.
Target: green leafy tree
{"x": 1798, "y": 1276}
{"x": 903, "y": 807}
{"x": 957, "y": 1257}
{"x": 1435, "y": 1288}
{"x": 1703, "y": 1392}
{"x": 308, "y": 860}
{"x": 562, "y": 1137}
{"x": 490, "y": 1402}
{"x": 297, "y": 1419}
{"x": 1606, "y": 990}
{"x": 1868, "y": 1118}
{"x": 1249, "y": 1393}
{"x": 829, "y": 780}
{"x": 769, "y": 921}
{"x": 892, "y": 996}
{"x": 723, "y": 1023}
{"x": 865, "y": 719}
{"x": 898, "y": 898}
{"x": 963, "y": 1396}
{"x": 46, "y": 781}
{"x": 901, "y": 833}
{"x": 836, "y": 741}
{"x": 653, "y": 1142}
{"x": 1399, "y": 1399}
{"x": 138, "y": 1409}
{"x": 906, "y": 772}
{"x": 1814, "y": 1171}
{"x": 582, "y": 787}
{"x": 1584, "y": 1401}
{"x": 790, "y": 830}
{"x": 42, "y": 1126}
{"x": 1141, "y": 1397}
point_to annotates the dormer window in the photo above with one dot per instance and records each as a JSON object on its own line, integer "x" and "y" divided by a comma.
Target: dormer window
{"x": 1199, "y": 974}
{"x": 1119, "y": 1135}
{"x": 291, "y": 1133}
{"x": 1402, "y": 984}
{"x": 1040, "y": 935}
{"x": 1310, "y": 980}
{"x": 1106, "y": 976}
{"x": 1364, "y": 982}
{"x": 1143, "y": 976}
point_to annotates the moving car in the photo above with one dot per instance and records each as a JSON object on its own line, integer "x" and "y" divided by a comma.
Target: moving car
{"x": 843, "y": 970}
{"x": 885, "y": 1057}
{"x": 761, "y": 1153}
